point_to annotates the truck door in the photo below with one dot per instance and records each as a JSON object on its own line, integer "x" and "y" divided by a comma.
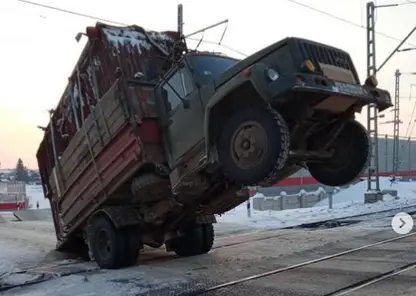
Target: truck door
{"x": 184, "y": 129}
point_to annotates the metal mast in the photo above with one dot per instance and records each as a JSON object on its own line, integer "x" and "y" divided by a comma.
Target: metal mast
{"x": 180, "y": 19}
{"x": 396, "y": 122}
{"x": 373, "y": 182}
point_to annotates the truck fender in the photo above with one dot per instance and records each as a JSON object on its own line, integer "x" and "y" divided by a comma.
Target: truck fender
{"x": 224, "y": 95}
{"x": 121, "y": 216}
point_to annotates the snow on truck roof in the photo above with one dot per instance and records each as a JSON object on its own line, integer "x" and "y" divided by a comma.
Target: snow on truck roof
{"x": 130, "y": 43}
{"x": 109, "y": 48}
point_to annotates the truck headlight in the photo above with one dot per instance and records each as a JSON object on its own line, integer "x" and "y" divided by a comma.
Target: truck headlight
{"x": 272, "y": 74}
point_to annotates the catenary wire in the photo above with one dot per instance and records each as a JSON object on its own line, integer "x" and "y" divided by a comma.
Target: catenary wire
{"x": 292, "y": 1}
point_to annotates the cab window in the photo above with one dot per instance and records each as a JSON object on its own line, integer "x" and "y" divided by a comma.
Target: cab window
{"x": 182, "y": 83}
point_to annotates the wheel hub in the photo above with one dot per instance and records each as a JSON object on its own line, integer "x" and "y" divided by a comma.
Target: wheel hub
{"x": 341, "y": 156}
{"x": 249, "y": 145}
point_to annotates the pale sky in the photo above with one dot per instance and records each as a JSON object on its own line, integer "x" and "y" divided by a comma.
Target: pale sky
{"x": 39, "y": 51}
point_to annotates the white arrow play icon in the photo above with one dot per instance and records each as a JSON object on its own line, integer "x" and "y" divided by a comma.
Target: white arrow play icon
{"x": 402, "y": 223}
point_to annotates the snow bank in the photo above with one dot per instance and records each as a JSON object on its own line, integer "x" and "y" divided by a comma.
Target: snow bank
{"x": 346, "y": 203}
{"x": 35, "y": 194}
{"x": 355, "y": 193}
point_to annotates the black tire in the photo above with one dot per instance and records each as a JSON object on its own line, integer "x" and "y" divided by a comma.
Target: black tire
{"x": 132, "y": 246}
{"x": 150, "y": 187}
{"x": 266, "y": 125}
{"x": 352, "y": 150}
{"x": 197, "y": 240}
{"x": 208, "y": 236}
{"x": 112, "y": 248}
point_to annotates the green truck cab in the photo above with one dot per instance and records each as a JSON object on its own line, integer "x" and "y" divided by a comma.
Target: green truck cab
{"x": 261, "y": 119}
{"x": 150, "y": 141}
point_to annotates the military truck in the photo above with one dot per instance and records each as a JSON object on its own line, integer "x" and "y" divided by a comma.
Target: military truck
{"x": 151, "y": 140}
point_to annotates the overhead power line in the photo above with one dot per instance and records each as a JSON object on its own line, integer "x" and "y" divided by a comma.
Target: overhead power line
{"x": 351, "y": 23}
{"x": 346, "y": 21}
{"x": 111, "y": 21}
{"x": 70, "y": 12}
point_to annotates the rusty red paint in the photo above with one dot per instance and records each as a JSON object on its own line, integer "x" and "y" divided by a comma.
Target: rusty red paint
{"x": 99, "y": 65}
{"x": 11, "y": 206}
{"x": 111, "y": 53}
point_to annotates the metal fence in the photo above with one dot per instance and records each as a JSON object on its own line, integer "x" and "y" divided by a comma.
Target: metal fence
{"x": 407, "y": 159}
{"x": 12, "y": 187}
{"x": 12, "y": 192}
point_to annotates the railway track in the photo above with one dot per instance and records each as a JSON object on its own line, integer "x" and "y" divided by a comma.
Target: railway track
{"x": 341, "y": 291}
{"x": 356, "y": 218}
{"x": 46, "y": 272}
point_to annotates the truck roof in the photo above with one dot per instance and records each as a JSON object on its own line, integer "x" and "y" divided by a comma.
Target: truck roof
{"x": 109, "y": 49}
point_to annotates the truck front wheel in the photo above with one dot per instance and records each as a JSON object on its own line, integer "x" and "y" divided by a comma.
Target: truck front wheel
{"x": 112, "y": 248}
{"x": 351, "y": 155}
{"x": 253, "y": 145}
{"x": 198, "y": 239}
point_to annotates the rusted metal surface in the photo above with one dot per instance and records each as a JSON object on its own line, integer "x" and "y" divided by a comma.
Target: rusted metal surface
{"x": 116, "y": 164}
{"x": 111, "y": 53}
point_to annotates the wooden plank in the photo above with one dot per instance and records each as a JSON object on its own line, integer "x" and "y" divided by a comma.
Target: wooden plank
{"x": 116, "y": 120}
{"x": 108, "y": 103}
{"x": 82, "y": 164}
{"x": 94, "y": 134}
{"x": 77, "y": 155}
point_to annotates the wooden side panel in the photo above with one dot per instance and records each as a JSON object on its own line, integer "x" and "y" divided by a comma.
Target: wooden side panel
{"x": 122, "y": 134}
{"x": 97, "y": 131}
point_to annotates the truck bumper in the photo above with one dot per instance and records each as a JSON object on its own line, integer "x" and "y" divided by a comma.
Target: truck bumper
{"x": 301, "y": 83}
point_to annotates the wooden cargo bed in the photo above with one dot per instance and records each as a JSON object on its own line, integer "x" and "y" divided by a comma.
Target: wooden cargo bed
{"x": 105, "y": 153}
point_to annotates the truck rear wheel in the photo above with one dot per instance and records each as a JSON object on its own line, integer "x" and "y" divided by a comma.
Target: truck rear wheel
{"x": 254, "y": 145}
{"x": 112, "y": 248}
{"x": 351, "y": 155}
{"x": 198, "y": 239}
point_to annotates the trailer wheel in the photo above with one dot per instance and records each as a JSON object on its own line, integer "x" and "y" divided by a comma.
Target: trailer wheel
{"x": 198, "y": 239}
{"x": 109, "y": 245}
{"x": 352, "y": 150}
{"x": 253, "y": 145}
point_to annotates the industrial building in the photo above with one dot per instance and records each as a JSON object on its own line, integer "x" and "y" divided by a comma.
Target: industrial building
{"x": 407, "y": 167}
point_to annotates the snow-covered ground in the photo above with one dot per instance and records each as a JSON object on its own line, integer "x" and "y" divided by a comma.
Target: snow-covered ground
{"x": 347, "y": 202}
{"x": 35, "y": 194}
{"x": 27, "y": 244}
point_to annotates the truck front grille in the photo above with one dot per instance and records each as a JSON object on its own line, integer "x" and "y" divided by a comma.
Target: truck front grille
{"x": 327, "y": 55}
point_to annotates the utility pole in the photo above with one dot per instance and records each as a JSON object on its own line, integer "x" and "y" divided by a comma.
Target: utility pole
{"x": 373, "y": 182}
{"x": 180, "y": 19}
{"x": 409, "y": 154}
{"x": 396, "y": 122}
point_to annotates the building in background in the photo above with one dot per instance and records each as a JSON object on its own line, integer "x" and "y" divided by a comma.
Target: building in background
{"x": 13, "y": 196}
{"x": 407, "y": 167}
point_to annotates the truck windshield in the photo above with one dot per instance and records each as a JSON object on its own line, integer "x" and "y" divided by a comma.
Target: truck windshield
{"x": 210, "y": 67}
